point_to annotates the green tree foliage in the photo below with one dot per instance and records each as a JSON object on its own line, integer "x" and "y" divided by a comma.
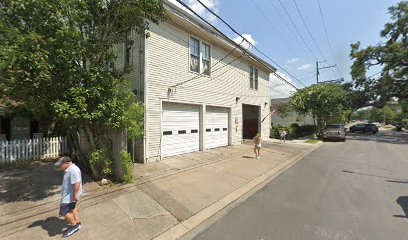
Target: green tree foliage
{"x": 391, "y": 56}
{"x": 283, "y": 109}
{"x": 390, "y": 113}
{"x": 356, "y": 99}
{"x": 127, "y": 166}
{"x": 322, "y": 101}
{"x": 57, "y": 58}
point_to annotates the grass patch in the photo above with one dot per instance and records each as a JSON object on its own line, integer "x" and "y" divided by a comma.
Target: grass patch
{"x": 312, "y": 141}
{"x": 389, "y": 127}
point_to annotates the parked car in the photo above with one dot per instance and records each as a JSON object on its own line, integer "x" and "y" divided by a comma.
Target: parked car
{"x": 364, "y": 127}
{"x": 334, "y": 132}
{"x": 376, "y": 124}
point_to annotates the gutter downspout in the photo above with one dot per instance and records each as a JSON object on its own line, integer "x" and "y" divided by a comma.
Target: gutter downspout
{"x": 145, "y": 74}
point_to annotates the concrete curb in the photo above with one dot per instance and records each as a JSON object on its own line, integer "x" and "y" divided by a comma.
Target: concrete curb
{"x": 184, "y": 227}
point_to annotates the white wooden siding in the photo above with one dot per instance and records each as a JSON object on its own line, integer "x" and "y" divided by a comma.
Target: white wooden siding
{"x": 135, "y": 76}
{"x": 168, "y": 64}
{"x": 137, "y": 61}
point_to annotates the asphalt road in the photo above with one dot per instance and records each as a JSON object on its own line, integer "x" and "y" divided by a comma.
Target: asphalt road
{"x": 341, "y": 191}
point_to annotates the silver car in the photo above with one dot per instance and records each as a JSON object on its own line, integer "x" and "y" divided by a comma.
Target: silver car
{"x": 334, "y": 132}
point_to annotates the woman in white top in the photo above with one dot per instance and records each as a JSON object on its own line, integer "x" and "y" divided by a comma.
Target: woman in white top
{"x": 257, "y": 147}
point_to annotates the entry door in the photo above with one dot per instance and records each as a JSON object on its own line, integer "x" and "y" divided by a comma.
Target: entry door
{"x": 180, "y": 129}
{"x": 216, "y": 128}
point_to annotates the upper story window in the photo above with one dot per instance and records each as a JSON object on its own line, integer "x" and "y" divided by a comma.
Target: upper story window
{"x": 128, "y": 48}
{"x": 200, "y": 56}
{"x": 206, "y": 59}
{"x": 253, "y": 78}
{"x": 194, "y": 55}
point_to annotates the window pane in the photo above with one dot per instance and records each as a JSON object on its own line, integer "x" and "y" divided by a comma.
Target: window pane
{"x": 251, "y": 77}
{"x": 206, "y": 67}
{"x": 206, "y": 53}
{"x": 194, "y": 65}
{"x": 194, "y": 47}
{"x": 128, "y": 47}
{"x": 256, "y": 79}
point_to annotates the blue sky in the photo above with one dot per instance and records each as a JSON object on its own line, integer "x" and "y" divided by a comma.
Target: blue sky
{"x": 266, "y": 23}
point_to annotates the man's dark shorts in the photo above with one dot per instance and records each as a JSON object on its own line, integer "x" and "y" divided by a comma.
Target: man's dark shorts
{"x": 66, "y": 208}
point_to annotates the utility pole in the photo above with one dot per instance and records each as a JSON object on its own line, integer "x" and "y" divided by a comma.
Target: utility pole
{"x": 317, "y": 69}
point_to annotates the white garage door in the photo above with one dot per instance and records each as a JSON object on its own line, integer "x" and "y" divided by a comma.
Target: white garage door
{"x": 180, "y": 129}
{"x": 216, "y": 128}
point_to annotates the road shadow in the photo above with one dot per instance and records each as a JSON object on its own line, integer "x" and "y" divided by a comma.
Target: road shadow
{"x": 381, "y": 137}
{"x": 395, "y": 181}
{"x": 389, "y": 179}
{"x": 403, "y": 202}
{"x": 53, "y": 225}
{"x": 247, "y": 157}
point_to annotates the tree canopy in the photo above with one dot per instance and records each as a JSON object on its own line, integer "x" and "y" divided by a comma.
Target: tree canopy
{"x": 391, "y": 56}
{"x": 57, "y": 60}
{"x": 283, "y": 109}
{"x": 323, "y": 101}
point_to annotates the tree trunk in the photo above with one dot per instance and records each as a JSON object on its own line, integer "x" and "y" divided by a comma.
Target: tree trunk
{"x": 76, "y": 149}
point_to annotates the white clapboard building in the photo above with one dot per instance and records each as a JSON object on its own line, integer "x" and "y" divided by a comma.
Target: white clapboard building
{"x": 200, "y": 89}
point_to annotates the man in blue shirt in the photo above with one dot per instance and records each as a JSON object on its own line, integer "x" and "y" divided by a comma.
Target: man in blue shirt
{"x": 70, "y": 193}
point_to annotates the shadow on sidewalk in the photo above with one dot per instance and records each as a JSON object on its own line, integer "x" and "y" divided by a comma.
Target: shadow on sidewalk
{"x": 31, "y": 181}
{"x": 403, "y": 202}
{"x": 53, "y": 225}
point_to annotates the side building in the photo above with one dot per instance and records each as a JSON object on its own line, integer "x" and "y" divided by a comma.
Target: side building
{"x": 200, "y": 89}
{"x": 292, "y": 117}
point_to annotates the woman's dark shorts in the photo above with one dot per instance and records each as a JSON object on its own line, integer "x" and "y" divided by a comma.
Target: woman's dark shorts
{"x": 66, "y": 208}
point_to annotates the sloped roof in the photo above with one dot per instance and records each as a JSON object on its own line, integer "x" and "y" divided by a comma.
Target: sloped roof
{"x": 230, "y": 44}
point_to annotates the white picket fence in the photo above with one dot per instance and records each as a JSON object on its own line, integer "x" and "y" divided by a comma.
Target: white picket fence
{"x": 31, "y": 149}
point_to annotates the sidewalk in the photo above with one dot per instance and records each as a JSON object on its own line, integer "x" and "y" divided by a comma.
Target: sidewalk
{"x": 166, "y": 200}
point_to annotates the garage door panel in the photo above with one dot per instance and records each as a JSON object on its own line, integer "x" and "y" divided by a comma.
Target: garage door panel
{"x": 180, "y": 129}
{"x": 216, "y": 134}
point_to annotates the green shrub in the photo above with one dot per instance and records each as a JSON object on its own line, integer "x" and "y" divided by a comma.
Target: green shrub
{"x": 293, "y": 131}
{"x": 101, "y": 164}
{"x": 127, "y": 166}
{"x": 405, "y": 122}
{"x": 275, "y": 131}
{"x": 303, "y": 130}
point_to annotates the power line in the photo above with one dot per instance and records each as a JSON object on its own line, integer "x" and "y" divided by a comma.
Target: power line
{"x": 235, "y": 69}
{"x": 286, "y": 24}
{"x": 308, "y": 29}
{"x": 286, "y": 94}
{"x": 375, "y": 74}
{"x": 297, "y": 30}
{"x": 305, "y": 74}
{"x": 236, "y": 32}
{"x": 271, "y": 24}
{"x": 326, "y": 34}
{"x": 228, "y": 64}
{"x": 212, "y": 66}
